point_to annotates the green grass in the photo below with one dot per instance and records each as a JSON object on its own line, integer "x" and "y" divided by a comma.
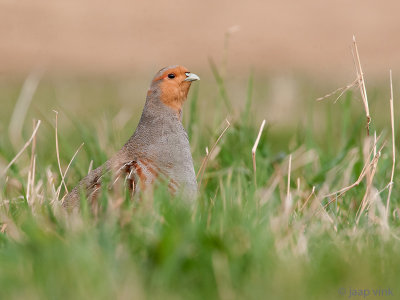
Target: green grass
{"x": 241, "y": 240}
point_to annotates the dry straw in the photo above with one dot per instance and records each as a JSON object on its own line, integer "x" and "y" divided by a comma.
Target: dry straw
{"x": 371, "y": 164}
{"x": 209, "y": 153}
{"x": 254, "y": 149}
{"x": 63, "y": 174}
{"x": 393, "y": 146}
{"x": 359, "y": 81}
{"x": 23, "y": 148}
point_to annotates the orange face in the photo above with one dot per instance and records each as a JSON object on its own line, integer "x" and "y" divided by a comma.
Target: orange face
{"x": 174, "y": 83}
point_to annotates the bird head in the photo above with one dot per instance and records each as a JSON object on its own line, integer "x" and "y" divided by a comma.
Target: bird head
{"x": 172, "y": 85}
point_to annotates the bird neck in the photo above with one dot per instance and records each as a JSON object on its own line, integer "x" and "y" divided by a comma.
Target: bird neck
{"x": 165, "y": 103}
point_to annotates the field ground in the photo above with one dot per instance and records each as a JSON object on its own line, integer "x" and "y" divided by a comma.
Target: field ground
{"x": 127, "y": 36}
{"x": 270, "y": 235}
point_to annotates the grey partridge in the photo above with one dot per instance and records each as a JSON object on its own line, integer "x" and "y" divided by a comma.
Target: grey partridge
{"x": 159, "y": 147}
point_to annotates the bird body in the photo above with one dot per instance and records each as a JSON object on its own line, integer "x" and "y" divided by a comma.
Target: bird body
{"x": 159, "y": 147}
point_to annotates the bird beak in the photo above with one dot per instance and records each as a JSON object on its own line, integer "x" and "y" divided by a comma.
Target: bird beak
{"x": 191, "y": 77}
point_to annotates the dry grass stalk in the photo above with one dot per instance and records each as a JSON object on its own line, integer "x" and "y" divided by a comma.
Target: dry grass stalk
{"x": 308, "y": 198}
{"x": 210, "y": 208}
{"x": 207, "y": 157}
{"x": 365, "y": 202}
{"x": 31, "y": 181}
{"x": 328, "y": 217}
{"x": 63, "y": 174}
{"x": 21, "y": 107}
{"x": 393, "y": 146}
{"x": 90, "y": 166}
{"x": 342, "y": 90}
{"x": 254, "y": 149}
{"x": 288, "y": 201}
{"x": 32, "y": 168}
{"x": 365, "y": 170}
{"x": 361, "y": 81}
{"x": 369, "y": 168}
{"x": 66, "y": 170}
{"x": 23, "y": 149}
{"x": 51, "y": 185}
{"x": 58, "y": 157}
{"x": 370, "y": 177}
{"x": 298, "y": 184}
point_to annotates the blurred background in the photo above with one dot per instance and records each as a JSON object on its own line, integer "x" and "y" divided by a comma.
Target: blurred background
{"x": 100, "y": 37}
{"x": 93, "y": 58}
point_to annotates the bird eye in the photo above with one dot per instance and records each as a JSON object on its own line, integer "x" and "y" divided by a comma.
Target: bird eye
{"x": 171, "y": 75}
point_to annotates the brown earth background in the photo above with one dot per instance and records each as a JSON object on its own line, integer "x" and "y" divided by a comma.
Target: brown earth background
{"x": 119, "y": 37}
